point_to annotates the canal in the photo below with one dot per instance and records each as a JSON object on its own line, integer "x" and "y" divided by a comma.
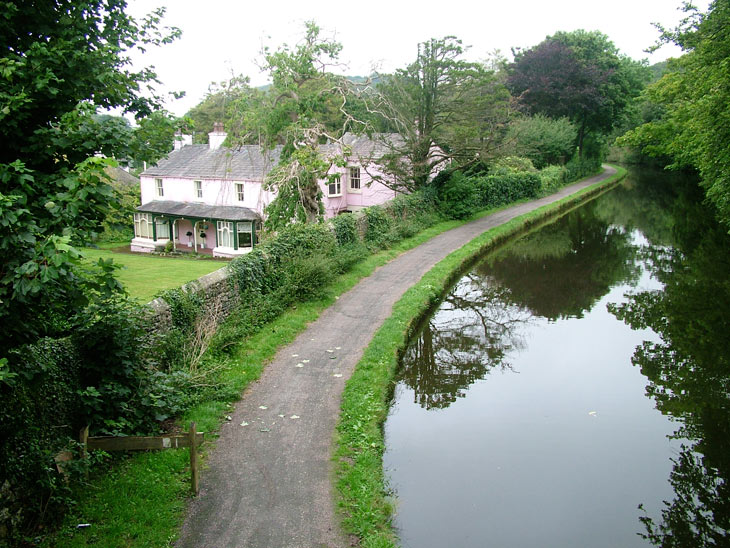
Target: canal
{"x": 572, "y": 389}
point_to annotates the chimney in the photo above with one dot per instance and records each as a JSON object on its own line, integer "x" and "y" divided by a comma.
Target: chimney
{"x": 217, "y": 136}
{"x": 182, "y": 140}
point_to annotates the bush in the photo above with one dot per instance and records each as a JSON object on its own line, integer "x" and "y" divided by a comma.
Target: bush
{"x": 506, "y": 187}
{"x": 543, "y": 140}
{"x": 379, "y": 225}
{"x": 514, "y": 164}
{"x": 306, "y": 278}
{"x": 552, "y": 178}
{"x": 39, "y": 416}
{"x": 458, "y": 197}
{"x": 581, "y": 166}
{"x": 345, "y": 226}
{"x": 121, "y": 388}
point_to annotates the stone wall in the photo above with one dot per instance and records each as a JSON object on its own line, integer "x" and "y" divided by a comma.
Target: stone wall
{"x": 219, "y": 294}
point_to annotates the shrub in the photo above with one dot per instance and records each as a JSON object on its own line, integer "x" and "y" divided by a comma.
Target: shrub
{"x": 551, "y": 178}
{"x": 543, "y": 140}
{"x": 379, "y": 225}
{"x": 514, "y": 164}
{"x": 345, "y": 226}
{"x": 120, "y": 387}
{"x": 581, "y": 166}
{"x": 458, "y": 196}
{"x": 39, "y": 414}
{"x": 506, "y": 187}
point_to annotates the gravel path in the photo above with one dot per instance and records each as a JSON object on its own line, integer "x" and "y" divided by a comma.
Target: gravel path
{"x": 269, "y": 479}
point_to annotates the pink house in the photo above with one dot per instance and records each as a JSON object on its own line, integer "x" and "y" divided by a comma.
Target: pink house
{"x": 207, "y": 197}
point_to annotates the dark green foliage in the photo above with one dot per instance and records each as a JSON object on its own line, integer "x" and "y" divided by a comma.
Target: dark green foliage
{"x": 38, "y": 413}
{"x": 61, "y": 61}
{"x": 458, "y": 196}
{"x": 345, "y": 226}
{"x": 505, "y": 187}
{"x": 379, "y": 224}
{"x": 121, "y": 389}
{"x": 581, "y": 166}
{"x": 103, "y": 376}
{"x": 184, "y": 306}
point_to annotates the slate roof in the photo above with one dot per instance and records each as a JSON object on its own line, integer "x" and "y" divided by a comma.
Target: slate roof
{"x": 200, "y": 211}
{"x": 249, "y": 163}
{"x": 200, "y": 162}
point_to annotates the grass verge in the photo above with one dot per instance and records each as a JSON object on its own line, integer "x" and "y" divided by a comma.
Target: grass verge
{"x": 360, "y": 480}
{"x": 139, "y": 500}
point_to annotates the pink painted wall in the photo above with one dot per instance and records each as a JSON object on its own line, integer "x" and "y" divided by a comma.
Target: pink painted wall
{"x": 370, "y": 192}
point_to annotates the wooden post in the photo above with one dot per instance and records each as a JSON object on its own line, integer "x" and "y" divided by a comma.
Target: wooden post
{"x": 84, "y": 440}
{"x": 193, "y": 458}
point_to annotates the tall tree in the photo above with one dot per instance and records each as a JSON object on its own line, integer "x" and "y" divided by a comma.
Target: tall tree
{"x": 60, "y": 62}
{"x": 444, "y": 108}
{"x": 305, "y": 107}
{"x": 225, "y": 102}
{"x": 579, "y": 75}
{"x": 692, "y": 128}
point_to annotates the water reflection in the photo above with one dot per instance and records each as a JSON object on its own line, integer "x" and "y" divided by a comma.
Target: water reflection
{"x": 474, "y": 330}
{"x": 578, "y": 259}
{"x": 520, "y": 308}
{"x": 688, "y": 371}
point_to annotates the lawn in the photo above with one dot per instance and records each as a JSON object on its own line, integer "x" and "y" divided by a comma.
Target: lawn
{"x": 144, "y": 276}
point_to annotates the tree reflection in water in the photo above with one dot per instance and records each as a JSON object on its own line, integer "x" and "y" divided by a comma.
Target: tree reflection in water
{"x": 473, "y": 332}
{"x": 688, "y": 372}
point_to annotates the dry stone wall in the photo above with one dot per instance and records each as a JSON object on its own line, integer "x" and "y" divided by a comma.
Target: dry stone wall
{"x": 220, "y": 297}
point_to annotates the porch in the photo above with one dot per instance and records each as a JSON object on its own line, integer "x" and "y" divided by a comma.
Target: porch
{"x": 220, "y": 231}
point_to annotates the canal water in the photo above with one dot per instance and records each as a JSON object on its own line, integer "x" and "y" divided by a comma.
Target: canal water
{"x": 571, "y": 390}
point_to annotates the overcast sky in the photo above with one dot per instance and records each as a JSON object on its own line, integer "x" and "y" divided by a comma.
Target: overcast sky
{"x": 224, "y": 37}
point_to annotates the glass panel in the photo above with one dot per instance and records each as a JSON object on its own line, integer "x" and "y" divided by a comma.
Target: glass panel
{"x": 244, "y": 235}
{"x": 163, "y": 229}
{"x": 142, "y": 228}
{"x": 355, "y": 178}
{"x": 225, "y": 234}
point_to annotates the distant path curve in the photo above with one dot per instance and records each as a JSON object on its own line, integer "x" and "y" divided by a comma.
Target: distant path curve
{"x": 269, "y": 482}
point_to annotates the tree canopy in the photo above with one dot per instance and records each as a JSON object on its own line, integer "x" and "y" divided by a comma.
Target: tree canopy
{"x": 444, "y": 107}
{"x": 579, "y": 75}
{"x": 692, "y": 126}
{"x": 305, "y": 107}
{"x": 61, "y": 62}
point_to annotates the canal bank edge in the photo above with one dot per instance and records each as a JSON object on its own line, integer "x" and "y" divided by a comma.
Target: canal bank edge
{"x": 364, "y": 501}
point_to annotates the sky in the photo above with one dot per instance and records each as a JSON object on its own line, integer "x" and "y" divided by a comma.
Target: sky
{"x": 222, "y": 38}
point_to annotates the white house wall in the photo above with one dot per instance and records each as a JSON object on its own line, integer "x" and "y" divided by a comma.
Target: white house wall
{"x": 218, "y": 192}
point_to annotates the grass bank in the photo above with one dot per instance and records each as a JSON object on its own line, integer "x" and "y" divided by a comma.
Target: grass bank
{"x": 360, "y": 481}
{"x": 140, "y": 500}
{"x": 143, "y": 276}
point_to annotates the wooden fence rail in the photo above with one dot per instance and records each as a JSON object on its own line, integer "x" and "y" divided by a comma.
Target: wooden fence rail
{"x": 142, "y": 443}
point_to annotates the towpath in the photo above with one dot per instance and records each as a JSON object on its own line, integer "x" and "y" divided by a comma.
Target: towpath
{"x": 269, "y": 479}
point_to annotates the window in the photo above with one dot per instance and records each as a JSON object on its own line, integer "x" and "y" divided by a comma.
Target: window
{"x": 334, "y": 188}
{"x": 354, "y": 178}
{"x": 239, "y": 192}
{"x": 244, "y": 235}
{"x": 225, "y": 234}
{"x": 198, "y": 189}
{"x": 160, "y": 190}
{"x": 162, "y": 229}
{"x": 142, "y": 225}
